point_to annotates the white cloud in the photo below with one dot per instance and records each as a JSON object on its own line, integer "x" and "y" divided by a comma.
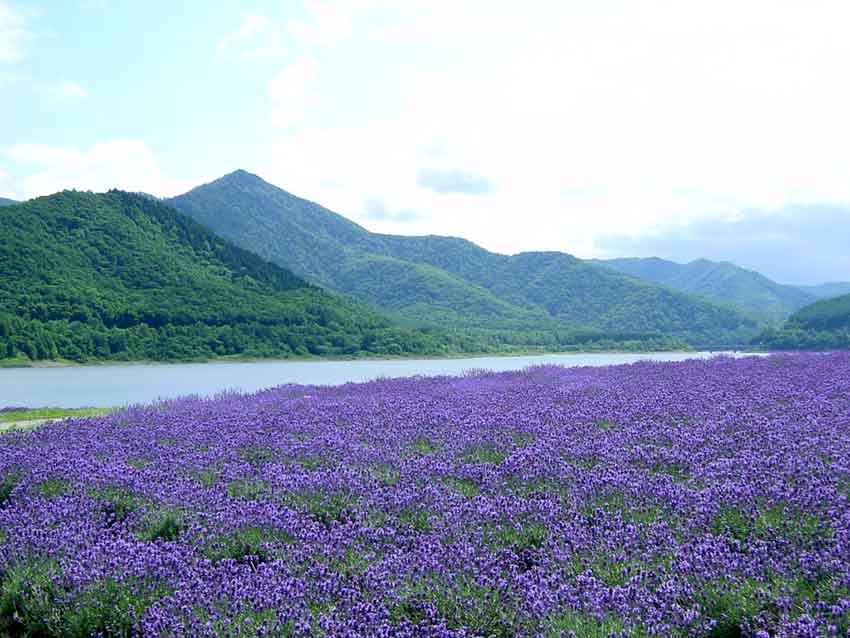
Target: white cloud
{"x": 321, "y": 23}
{"x": 585, "y": 117}
{"x": 292, "y": 91}
{"x": 14, "y": 32}
{"x": 66, "y": 90}
{"x": 252, "y": 26}
{"x": 330, "y": 22}
{"x": 256, "y": 37}
{"x": 6, "y": 189}
{"x": 324, "y": 26}
{"x": 126, "y": 164}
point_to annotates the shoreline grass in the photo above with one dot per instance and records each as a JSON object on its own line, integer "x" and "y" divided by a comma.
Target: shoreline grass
{"x": 30, "y": 418}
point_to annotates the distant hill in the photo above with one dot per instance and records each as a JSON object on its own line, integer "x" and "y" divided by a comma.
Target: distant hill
{"x": 722, "y": 282}
{"x": 452, "y": 282}
{"x": 823, "y": 325}
{"x": 119, "y": 276}
{"x": 825, "y": 291}
{"x": 7, "y": 202}
{"x": 827, "y": 314}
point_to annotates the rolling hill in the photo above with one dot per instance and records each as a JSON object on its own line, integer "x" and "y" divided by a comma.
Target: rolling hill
{"x": 7, "y": 202}
{"x": 118, "y": 276}
{"x": 721, "y": 282}
{"x": 826, "y": 314}
{"x": 452, "y": 282}
{"x": 823, "y": 325}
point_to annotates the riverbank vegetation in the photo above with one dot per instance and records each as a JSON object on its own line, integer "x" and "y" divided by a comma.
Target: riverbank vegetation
{"x": 12, "y": 417}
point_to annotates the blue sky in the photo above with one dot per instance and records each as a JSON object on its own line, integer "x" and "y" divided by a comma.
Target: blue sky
{"x": 605, "y": 128}
{"x": 95, "y": 72}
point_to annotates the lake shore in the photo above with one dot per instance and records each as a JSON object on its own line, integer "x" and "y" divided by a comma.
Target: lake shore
{"x": 136, "y": 383}
{"x": 67, "y": 363}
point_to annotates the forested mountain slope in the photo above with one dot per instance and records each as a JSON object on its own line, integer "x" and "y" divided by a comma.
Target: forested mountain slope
{"x": 827, "y": 314}
{"x": 823, "y": 325}
{"x": 723, "y": 282}
{"x": 120, "y": 276}
{"x": 449, "y": 281}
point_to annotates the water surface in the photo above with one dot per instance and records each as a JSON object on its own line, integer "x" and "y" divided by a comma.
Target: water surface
{"x": 119, "y": 385}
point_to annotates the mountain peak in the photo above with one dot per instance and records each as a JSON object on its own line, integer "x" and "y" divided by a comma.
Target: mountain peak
{"x": 240, "y": 172}
{"x": 239, "y": 179}
{"x": 240, "y": 175}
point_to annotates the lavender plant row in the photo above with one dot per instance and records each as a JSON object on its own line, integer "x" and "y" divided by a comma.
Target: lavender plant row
{"x": 705, "y": 498}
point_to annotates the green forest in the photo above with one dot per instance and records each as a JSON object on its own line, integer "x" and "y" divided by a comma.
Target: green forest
{"x": 117, "y": 276}
{"x": 721, "y": 282}
{"x": 121, "y": 277}
{"x": 124, "y": 277}
{"x": 452, "y": 283}
{"x": 823, "y": 325}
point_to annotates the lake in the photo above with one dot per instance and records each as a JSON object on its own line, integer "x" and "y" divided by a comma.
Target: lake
{"x": 119, "y": 385}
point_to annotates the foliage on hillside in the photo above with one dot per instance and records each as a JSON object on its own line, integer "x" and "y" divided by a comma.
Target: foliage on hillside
{"x": 273, "y": 224}
{"x": 823, "y": 325}
{"x": 118, "y": 276}
{"x": 451, "y": 282}
{"x": 7, "y": 202}
{"x": 721, "y": 282}
{"x": 827, "y": 314}
{"x": 576, "y": 293}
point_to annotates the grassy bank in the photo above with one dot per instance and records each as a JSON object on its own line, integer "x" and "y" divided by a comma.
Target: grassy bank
{"x": 15, "y": 419}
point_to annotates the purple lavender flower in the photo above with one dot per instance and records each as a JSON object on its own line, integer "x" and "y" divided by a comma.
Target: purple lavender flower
{"x": 704, "y": 498}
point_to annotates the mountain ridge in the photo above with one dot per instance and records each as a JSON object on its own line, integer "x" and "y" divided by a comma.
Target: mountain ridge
{"x": 119, "y": 276}
{"x": 534, "y": 291}
{"x": 720, "y": 281}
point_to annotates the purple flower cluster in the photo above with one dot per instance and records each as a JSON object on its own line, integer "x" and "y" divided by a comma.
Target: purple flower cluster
{"x": 704, "y": 498}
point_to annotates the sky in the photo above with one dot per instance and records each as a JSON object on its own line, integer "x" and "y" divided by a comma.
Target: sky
{"x": 676, "y": 128}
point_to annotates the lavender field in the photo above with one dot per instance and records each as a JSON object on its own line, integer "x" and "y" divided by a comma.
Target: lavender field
{"x": 704, "y": 498}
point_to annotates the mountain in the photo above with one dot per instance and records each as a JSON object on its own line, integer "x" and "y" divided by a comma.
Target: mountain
{"x": 119, "y": 276}
{"x": 7, "y": 202}
{"x": 721, "y": 282}
{"x": 825, "y": 291}
{"x": 826, "y": 314}
{"x": 823, "y": 325}
{"x": 452, "y": 282}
